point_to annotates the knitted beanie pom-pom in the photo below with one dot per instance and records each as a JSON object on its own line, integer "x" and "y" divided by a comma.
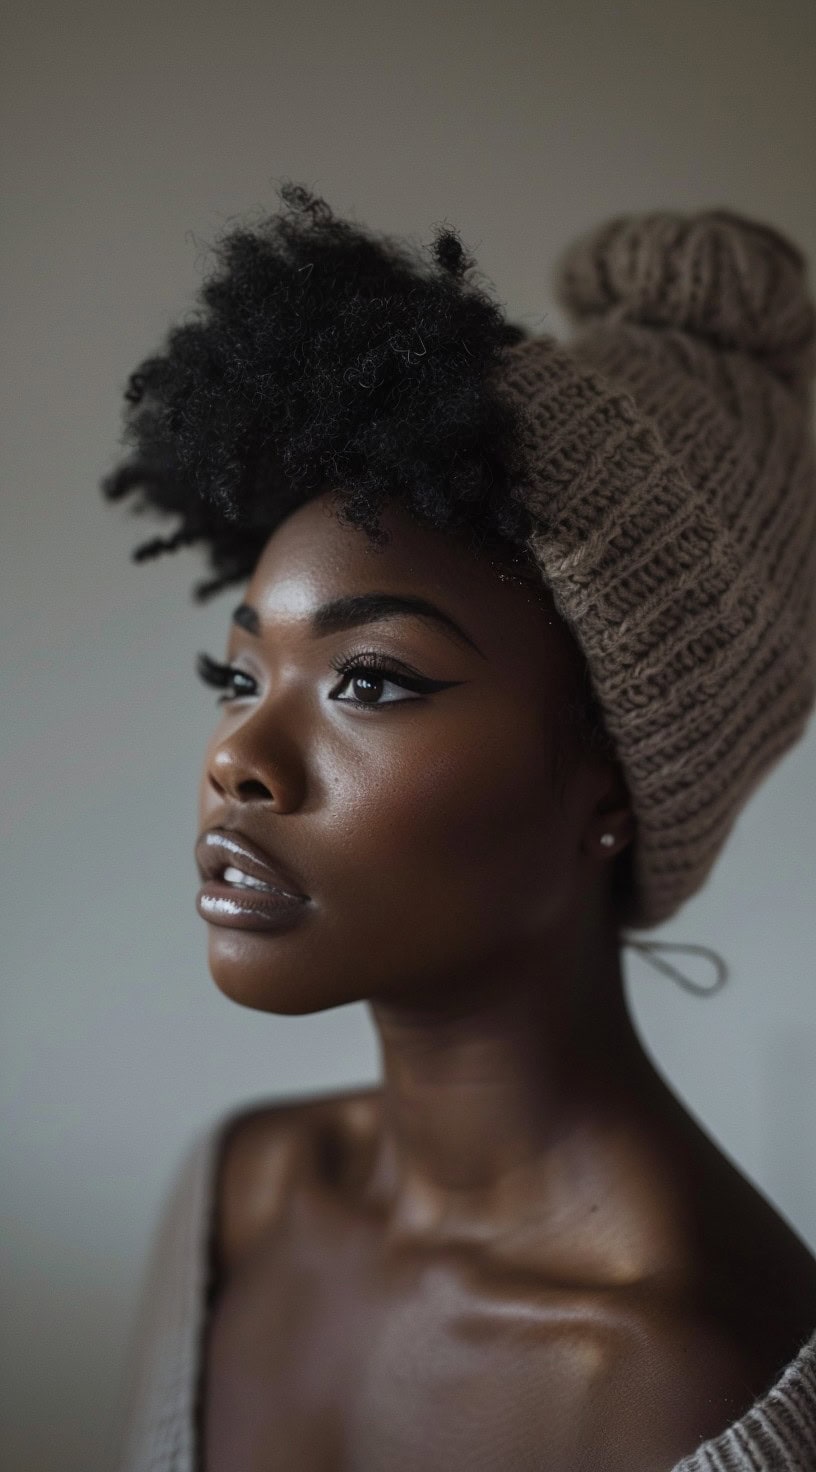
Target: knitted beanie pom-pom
{"x": 718, "y": 275}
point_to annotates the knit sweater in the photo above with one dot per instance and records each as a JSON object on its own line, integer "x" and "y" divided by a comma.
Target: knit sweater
{"x": 164, "y": 1376}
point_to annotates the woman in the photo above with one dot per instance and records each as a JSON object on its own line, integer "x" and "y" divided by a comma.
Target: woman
{"x": 525, "y": 625}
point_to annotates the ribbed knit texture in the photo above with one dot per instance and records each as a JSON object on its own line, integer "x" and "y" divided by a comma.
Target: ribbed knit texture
{"x": 674, "y": 475}
{"x": 164, "y": 1379}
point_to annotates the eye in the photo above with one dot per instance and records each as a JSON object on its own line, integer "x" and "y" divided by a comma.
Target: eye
{"x": 370, "y": 673}
{"x": 222, "y": 676}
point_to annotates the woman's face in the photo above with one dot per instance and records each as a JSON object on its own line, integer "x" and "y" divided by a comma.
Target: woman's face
{"x": 425, "y": 825}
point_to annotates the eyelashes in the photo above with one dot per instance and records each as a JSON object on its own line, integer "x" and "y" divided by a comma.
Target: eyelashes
{"x": 370, "y": 665}
{"x": 221, "y": 676}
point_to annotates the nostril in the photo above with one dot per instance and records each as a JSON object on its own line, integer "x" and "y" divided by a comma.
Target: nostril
{"x": 254, "y": 789}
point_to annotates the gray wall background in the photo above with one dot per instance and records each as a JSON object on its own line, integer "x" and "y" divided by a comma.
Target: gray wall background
{"x": 131, "y": 136}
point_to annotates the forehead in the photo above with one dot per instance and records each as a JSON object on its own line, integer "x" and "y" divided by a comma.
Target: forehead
{"x": 313, "y": 557}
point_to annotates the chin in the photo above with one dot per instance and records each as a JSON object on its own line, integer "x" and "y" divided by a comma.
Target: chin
{"x": 247, "y": 969}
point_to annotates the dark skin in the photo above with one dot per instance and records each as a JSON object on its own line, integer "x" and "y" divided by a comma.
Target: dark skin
{"x": 519, "y": 1251}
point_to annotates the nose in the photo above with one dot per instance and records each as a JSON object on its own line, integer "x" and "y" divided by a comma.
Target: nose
{"x": 243, "y": 766}
{"x": 225, "y": 784}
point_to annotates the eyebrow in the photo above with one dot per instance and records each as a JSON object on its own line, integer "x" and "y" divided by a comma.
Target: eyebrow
{"x": 362, "y": 608}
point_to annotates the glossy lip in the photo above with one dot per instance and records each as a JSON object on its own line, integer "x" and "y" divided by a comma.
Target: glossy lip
{"x": 222, "y": 903}
{"x": 220, "y": 848}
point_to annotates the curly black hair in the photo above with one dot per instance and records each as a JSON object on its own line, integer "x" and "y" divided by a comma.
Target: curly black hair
{"x": 326, "y": 359}
{"x": 323, "y": 358}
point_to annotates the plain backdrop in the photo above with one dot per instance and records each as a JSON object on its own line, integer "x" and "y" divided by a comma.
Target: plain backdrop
{"x": 131, "y": 136}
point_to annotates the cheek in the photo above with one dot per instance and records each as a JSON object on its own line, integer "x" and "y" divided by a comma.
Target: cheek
{"x": 455, "y": 830}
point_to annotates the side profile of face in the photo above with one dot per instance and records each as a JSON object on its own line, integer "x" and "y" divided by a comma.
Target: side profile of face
{"x": 425, "y": 825}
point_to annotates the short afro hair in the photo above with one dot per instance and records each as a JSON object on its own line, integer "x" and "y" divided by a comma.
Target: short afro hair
{"x": 324, "y": 358}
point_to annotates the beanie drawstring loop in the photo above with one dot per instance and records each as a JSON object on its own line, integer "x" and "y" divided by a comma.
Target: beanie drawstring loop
{"x": 648, "y": 947}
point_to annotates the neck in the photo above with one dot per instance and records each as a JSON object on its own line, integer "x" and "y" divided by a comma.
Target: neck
{"x": 510, "y": 1090}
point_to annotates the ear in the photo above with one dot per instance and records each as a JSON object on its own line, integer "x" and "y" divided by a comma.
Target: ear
{"x": 611, "y": 826}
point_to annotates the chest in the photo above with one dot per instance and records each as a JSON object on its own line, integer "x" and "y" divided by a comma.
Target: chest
{"x": 329, "y": 1350}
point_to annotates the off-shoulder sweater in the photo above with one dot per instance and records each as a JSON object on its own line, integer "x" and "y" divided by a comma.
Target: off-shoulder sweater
{"x": 160, "y": 1396}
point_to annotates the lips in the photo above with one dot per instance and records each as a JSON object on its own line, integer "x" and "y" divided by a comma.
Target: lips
{"x": 220, "y": 848}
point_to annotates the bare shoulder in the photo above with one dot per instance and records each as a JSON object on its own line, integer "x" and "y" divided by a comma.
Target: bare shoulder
{"x": 678, "y": 1372}
{"x": 662, "y": 1382}
{"x": 267, "y": 1150}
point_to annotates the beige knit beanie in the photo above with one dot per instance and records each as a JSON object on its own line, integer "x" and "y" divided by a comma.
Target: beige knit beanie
{"x": 675, "y": 483}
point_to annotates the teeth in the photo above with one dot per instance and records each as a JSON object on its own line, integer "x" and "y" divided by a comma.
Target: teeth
{"x": 245, "y": 881}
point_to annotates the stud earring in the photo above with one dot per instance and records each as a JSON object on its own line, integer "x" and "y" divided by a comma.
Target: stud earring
{"x": 607, "y": 839}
